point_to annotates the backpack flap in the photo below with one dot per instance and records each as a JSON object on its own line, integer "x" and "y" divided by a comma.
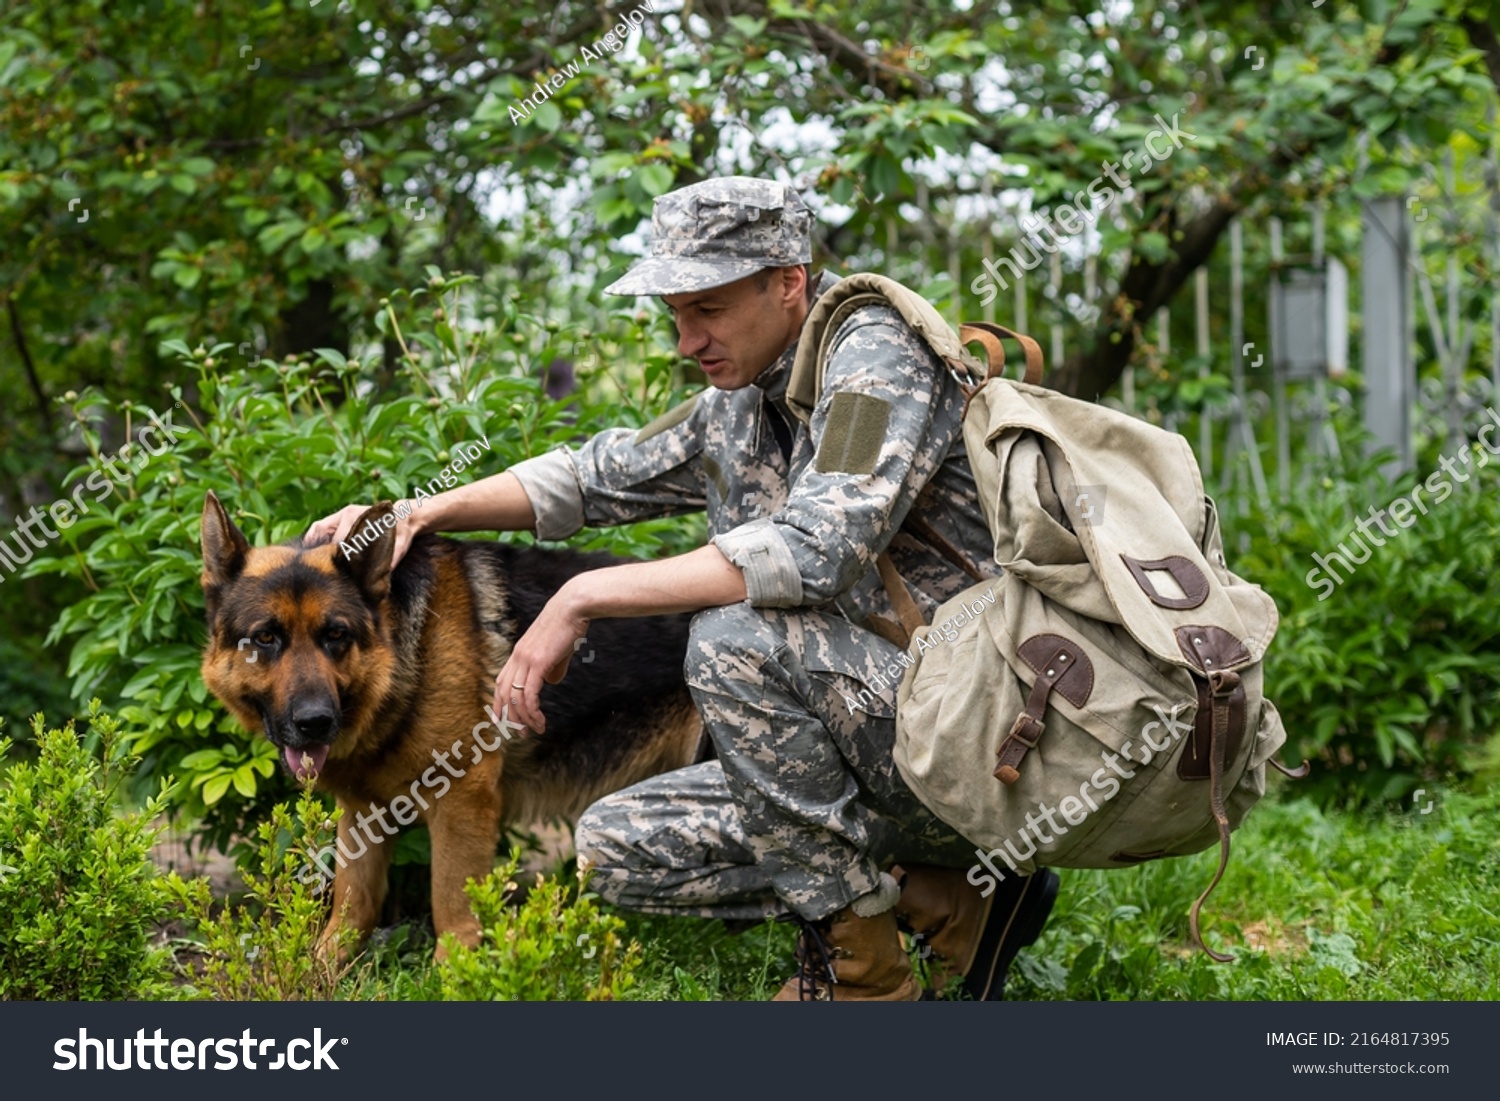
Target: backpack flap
{"x": 1106, "y": 515}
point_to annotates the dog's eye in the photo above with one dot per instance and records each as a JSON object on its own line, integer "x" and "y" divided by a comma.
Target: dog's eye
{"x": 335, "y": 634}
{"x": 263, "y": 638}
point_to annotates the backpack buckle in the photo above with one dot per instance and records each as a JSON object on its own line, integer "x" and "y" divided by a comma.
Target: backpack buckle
{"x": 1023, "y": 735}
{"x": 1024, "y": 724}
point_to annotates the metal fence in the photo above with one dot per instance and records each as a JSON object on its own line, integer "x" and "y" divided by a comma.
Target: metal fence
{"x": 1282, "y": 421}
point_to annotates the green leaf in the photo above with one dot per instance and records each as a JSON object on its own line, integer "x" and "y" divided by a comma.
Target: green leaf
{"x": 214, "y": 789}
{"x": 244, "y": 781}
{"x": 1153, "y": 246}
{"x": 315, "y": 238}
{"x": 276, "y": 236}
{"x": 548, "y": 116}
{"x": 202, "y": 759}
{"x": 655, "y": 179}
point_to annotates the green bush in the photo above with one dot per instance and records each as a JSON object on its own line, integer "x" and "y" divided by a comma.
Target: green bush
{"x": 1393, "y": 678}
{"x": 283, "y": 444}
{"x": 267, "y": 950}
{"x": 549, "y": 948}
{"x": 78, "y": 894}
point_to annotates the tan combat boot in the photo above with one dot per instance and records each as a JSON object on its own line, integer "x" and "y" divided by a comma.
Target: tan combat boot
{"x": 960, "y": 932}
{"x": 848, "y": 958}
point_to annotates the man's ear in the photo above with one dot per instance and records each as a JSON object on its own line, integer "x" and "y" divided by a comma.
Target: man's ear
{"x": 369, "y": 565}
{"x": 225, "y": 547}
{"x": 794, "y": 282}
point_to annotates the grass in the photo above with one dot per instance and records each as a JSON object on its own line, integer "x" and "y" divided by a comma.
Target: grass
{"x": 1322, "y": 906}
{"x": 1316, "y": 905}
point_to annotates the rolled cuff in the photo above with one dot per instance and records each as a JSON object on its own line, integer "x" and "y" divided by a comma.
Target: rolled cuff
{"x": 551, "y": 484}
{"x": 772, "y": 579}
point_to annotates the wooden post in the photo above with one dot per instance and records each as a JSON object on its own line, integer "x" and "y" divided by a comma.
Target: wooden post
{"x": 987, "y": 244}
{"x": 1278, "y": 377}
{"x": 1204, "y": 350}
{"x": 1242, "y": 435}
{"x": 1164, "y": 349}
{"x": 924, "y": 231}
{"x": 890, "y": 249}
{"x": 1055, "y": 271}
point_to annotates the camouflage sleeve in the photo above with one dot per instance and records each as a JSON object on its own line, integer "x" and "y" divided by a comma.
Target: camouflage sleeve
{"x": 619, "y": 475}
{"x": 886, "y": 418}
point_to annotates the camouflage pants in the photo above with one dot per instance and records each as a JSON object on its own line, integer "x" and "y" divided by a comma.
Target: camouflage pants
{"x": 804, "y": 806}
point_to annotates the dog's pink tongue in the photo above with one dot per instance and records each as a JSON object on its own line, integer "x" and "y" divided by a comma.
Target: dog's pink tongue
{"x": 306, "y": 764}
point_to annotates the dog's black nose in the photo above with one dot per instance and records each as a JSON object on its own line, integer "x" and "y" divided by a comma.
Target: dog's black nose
{"x": 313, "y": 722}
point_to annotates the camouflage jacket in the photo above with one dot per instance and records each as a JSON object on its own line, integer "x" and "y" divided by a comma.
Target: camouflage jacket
{"x": 884, "y": 444}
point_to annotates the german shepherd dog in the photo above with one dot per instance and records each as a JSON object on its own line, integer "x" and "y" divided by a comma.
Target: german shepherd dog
{"x": 378, "y": 683}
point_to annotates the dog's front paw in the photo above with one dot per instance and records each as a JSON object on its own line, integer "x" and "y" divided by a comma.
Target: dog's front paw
{"x": 468, "y": 936}
{"x": 334, "y": 949}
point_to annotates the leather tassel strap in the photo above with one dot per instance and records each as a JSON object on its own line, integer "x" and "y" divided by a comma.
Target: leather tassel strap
{"x": 1223, "y": 685}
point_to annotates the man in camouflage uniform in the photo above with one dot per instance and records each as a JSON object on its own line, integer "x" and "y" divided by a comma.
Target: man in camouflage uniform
{"x": 803, "y": 813}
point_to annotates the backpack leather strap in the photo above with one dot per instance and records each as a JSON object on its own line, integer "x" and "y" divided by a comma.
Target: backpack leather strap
{"x": 989, "y": 334}
{"x": 1028, "y": 726}
{"x": 1223, "y": 686}
{"x": 906, "y": 607}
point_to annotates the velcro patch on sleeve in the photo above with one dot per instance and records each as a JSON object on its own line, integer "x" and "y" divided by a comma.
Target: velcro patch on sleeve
{"x": 716, "y": 475}
{"x": 853, "y": 434}
{"x": 673, "y": 416}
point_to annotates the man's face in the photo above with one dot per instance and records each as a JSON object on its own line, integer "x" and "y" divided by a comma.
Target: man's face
{"x": 736, "y": 331}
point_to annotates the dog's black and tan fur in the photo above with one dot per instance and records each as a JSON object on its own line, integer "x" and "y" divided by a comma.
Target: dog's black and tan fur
{"x": 373, "y": 674}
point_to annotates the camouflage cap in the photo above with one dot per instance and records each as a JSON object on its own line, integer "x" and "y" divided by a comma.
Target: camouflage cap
{"x": 718, "y": 231}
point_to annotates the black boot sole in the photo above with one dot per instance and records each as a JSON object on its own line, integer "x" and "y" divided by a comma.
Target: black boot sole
{"x": 1016, "y": 920}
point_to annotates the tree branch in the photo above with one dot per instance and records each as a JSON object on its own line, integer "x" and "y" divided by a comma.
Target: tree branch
{"x": 1147, "y": 286}
{"x": 36, "y": 383}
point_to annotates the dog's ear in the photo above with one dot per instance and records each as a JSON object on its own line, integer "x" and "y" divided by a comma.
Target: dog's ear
{"x": 365, "y": 554}
{"x": 225, "y": 547}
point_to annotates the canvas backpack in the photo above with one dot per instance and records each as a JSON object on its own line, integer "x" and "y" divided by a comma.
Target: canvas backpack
{"x": 1101, "y": 703}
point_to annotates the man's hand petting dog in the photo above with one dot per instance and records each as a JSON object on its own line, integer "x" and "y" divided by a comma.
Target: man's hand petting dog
{"x": 336, "y": 527}
{"x": 542, "y": 653}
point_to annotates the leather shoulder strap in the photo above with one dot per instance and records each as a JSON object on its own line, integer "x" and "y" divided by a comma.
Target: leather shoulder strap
{"x": 989, "y": 334}
{"x": 868, "y": 289}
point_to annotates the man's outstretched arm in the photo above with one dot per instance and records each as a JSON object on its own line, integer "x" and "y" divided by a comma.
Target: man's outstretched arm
{"x": 703, "y": 578}
{"x": 496, "y": 503}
